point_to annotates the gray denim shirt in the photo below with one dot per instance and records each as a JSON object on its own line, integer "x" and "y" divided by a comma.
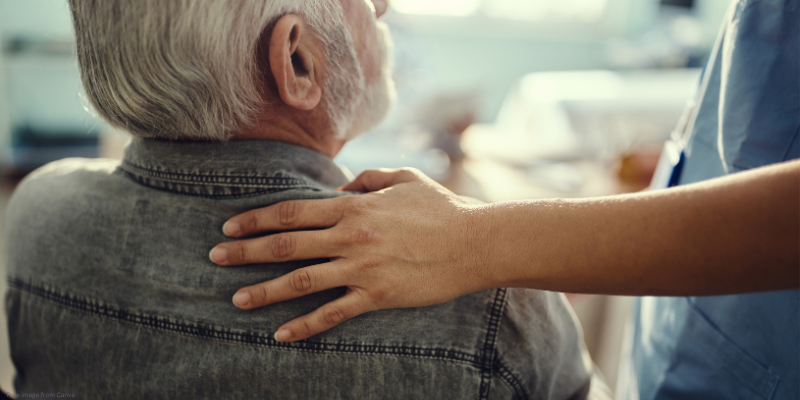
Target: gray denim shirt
{"x": 112, "y": 295}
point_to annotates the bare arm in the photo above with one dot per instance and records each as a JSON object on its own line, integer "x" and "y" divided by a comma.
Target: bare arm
{"x": 736, "y": 234}
{"x": 412, "y": 243}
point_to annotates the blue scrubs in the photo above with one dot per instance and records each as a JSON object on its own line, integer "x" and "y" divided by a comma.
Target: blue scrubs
{"x": 747, "y": 115}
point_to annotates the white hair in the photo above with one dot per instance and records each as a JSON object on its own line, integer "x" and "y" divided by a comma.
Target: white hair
{"x": 187, "y": 69}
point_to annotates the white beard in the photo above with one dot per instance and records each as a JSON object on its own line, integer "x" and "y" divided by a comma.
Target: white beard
{"x": 353, "y": 106}
{"x": 378, "y": 97}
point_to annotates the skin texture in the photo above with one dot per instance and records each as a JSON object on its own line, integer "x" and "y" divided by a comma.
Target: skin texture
{"x": 294, "y": 91}
{"x": 409, "y": 242}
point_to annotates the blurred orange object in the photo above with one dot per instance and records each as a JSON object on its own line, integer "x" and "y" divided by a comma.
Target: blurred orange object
{"x": 636, "y": 168}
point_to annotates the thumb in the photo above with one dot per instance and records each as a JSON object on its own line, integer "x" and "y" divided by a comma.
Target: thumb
{"x": 374, "y": 180}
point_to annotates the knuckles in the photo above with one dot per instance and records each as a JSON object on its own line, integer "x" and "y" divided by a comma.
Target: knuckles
{"x": 362, "y": 235}
{"x": 407, "y": 171}
{"x": 377, "y": 296}
{"x": 380, "y": 296}
{"x": 301, "y": 281}
{"x": 370, "y": 299}
{"x": 283, "y": 246}
{"x": 368, "y": 266}
{"x": 288, "y": 214}
{"x": 408, "y": 174}
{"x": 353, "y": 205}
{"x": 352, "y": 209}
{"x": 332, "y": 315}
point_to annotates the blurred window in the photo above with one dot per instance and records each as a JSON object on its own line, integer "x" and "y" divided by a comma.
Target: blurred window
{"x": 530, "y": 10}
{"x": 438, "y": 7}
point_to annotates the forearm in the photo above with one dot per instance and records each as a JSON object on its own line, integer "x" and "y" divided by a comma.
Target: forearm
{"x": 408, "y": 242}
{"x": 740, "y": 233}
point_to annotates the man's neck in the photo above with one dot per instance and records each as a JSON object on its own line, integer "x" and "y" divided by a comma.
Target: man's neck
{"x": 308, "y": 130}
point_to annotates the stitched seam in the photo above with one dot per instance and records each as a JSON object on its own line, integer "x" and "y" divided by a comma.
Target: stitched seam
{"x": 512, "y": 380}
{"x": 489, "y": 351}
{"x": 212, "y": 179}
{"x": 267, "y": 190}
{"x": 204, "y": 175}
{"x": 197, "y": 330}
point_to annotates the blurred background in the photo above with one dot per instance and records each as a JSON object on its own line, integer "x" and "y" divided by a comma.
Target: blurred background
{"x": 497, "y": 99}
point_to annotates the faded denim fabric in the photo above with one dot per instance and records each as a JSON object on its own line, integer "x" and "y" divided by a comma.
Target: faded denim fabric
{"x": 748, "y": 115}
{"x": 112, "y": 295}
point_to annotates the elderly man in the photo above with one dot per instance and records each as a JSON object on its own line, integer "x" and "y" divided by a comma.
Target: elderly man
{"x": 235, "y": 105}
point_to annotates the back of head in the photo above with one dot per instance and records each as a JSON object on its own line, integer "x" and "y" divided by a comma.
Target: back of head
{"x": 184, "y": 69}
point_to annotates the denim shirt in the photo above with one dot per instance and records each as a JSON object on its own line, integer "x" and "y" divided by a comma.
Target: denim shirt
{"x": 747, "y": 115}
{"x": 112, "y": 295}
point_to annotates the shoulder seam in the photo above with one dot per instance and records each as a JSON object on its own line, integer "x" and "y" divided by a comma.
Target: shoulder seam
{"x": 489, "y": 351}
{"x": 211, "y": 179}
{"x": 512, "y": 380}
{"x": 104, "y": 310}
{"x": 186, "y": 189}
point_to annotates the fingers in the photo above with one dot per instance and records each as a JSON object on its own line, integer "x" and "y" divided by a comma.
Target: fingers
{"x": 281, "y": 247}
{"x": 352, "y": 304}
{"x": 284, "y": 216}
{"x": 295, "y": 284}
{"x": 374, "y": 180}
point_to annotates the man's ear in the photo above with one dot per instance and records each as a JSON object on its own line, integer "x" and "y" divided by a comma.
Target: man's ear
{"x": 293, "y": 64}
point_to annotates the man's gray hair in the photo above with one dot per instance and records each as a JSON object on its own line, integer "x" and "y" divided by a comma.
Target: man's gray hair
{"x": 187, "y": 69}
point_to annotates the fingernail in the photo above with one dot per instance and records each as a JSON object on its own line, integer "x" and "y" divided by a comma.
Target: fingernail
{"x": 241, "y": 299}
{"x": 218, "y": 255}
{"x": 231, "y": 228}
{"x": 283, "y": 335}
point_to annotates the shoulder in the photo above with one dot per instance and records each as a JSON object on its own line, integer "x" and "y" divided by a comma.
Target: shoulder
{"x": 70, "y": 168}
{"x": 57, "y": 190}
{"x": 63, "y": 178}
{"x": 63, "y": 212}
{"x": 540, "y": 344}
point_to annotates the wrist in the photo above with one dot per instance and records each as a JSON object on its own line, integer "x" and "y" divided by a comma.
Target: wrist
{"x": 481, "y": 248}
{"x": 513, "y": 243}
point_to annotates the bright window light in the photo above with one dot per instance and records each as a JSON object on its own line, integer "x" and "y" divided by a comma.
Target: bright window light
{"x": 517, "y": 9}
{"x": 436, "y": 7}
{"x": 585, "y": 10}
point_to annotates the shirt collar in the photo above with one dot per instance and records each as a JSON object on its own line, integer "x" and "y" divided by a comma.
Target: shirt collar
{"x": 243, "y": 167}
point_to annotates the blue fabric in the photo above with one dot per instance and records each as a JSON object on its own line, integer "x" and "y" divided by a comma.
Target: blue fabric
{"x": 748, "y": 115}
